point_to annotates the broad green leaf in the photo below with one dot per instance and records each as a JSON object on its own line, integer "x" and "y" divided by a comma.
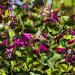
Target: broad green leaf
{"x": 36, "y": 17}
{"x": 63, "y": 43}
{"x": 74, "y": 69}
{"x": 6, "y": 27}
{"x": 3, "y": 71}
{"x": 28, "y": 59}
{"x": 69, "y": 7}
{"x": 13, "y": 63}
{"x": 11, "y": 33}
{"x": 56, "y": 4}
{"x": 68, "y": 37}
{"x": 36, "y": 46}
{"x": 6, "y": 13}
{"x": 63, "y": 67}
{"x": 64, "y": 18}
{"x": 70, "y": 68}
{"x": 55, "y": 57}
{"x": 17, "y": 69}
{"x": 6, "y": 62}
{"x": 60, "y": 46}
{"x": 49, "y": 71}
{"x": 3, "y": 74}
{"x": 31, "y": 73}
{"x": 49, "y": 29}
{"x": 18, "y": 53}
{"x": 25, "y": 67}
{"x": 69, "y": 3}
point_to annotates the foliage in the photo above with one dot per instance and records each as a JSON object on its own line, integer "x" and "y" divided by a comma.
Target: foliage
{"x": 37, "y": 37}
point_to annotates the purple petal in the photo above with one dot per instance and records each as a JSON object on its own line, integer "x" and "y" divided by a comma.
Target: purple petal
{"x": 27, "y": 36}
{"x": 44, "y": 47}
{"x": 25, "y": 6}
{"x": 37, "y": 51}
{"x": 9, "y": 51}
{"x": 44, "y": 35}
{"x": 5, "y": 42}
{"x": 72, "y": 32}
{"x": 18, "y": 42}
{"x": 69, "y": 59}
{"x": 9, "y": 55}
{"x": 1, "y": 6}
{"x": 71, "y": 42}
{"x": 60, "y": 50}
{"x": 11, "y": 47}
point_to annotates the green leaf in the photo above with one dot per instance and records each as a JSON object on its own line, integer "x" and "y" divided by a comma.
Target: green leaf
{"x": 25, "y": 67}
{"x": 49, "y": 29}
{"x": 5, "y": 62}
{"x": 74, "y": 69}
{"x": 56, "y": 4}
{"x": 17, "y": 69}
{"x": 11, "y": 33}
{"x": 63, "y": 43}
{"x": 49, "y": 71}
{"x": 3, "y": 71}
{"x": 65, "y": 18}
{"x": 63, "y": 67}
{"x": 68, "y": 37}
{"x": 55, "y": 57}
{"x": 13, "y": 63}
{"x": 36, "y": 17}
{"x": 18, "y": 53}
{"x": 3, "y": 74}
{"x": 28, "y": 59}
{"x": 31, "y": 73}
{"x": 70, "y": 68}
{"x": 69, "y": 3}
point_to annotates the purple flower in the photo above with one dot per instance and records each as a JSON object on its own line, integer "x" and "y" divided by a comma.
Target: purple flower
{"x": 9, "y": 55}
{"x": 69, "y": 59}
{"x": 9, "y": 51}
{"x": 72, "y": 31}
{"x": 30, "y": 45}
{"x": 18, "y": 42}
{"x": 71, "y": 42}
{"x": 37, "y": 40}
{"x": 73, "y": 58}
{"x": 25, "y": 6}
{"x": 1, "y": 6}
{"x": 10, "y": 48}
{"x": 5, "y": 42}
{"x": 27, "y": 36}
{"x": 37, "y": 51}
{"x": 44, "y": 35}
{"x": 44, "y": 47}
{"x": 60, "y": 50}
{"x": 53, "y": 17}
